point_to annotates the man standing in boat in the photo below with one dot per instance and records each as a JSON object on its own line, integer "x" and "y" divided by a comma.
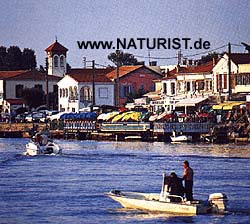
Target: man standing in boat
{"x": 188, "y": 179}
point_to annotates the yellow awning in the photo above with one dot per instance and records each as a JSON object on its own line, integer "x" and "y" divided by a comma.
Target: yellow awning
{"x": 231, "y": 105}
{"x": 227, "y": 105}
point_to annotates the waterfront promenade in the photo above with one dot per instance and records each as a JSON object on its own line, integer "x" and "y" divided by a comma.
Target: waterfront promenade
{"x": 145, "y": 131}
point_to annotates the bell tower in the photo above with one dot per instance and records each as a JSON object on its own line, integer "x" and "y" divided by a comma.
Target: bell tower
{"x": 56, "y": 54}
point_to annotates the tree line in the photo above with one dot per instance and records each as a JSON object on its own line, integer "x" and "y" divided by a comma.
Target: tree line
{"x": 13, "y": 58}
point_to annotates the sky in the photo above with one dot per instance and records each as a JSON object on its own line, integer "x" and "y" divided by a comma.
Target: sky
{"x": 35, "y": 24}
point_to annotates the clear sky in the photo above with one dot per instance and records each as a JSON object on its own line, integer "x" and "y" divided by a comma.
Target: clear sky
{"x": 35, "y": 23}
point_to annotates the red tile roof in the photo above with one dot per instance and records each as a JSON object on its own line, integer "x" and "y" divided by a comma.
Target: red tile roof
{"x": 10, "y": 74}
{"x": 198, "y": 69}
{"x": 33, "y": 76}
{"x": 127, "y": 69}
{"x": 240, "y": 58}
{"x": 56, "y": 46}
{"x": 204, "y": 68}
{"x": 85, "y": 74}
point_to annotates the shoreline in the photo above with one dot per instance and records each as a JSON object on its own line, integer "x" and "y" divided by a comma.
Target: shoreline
{"x": 25, "y": 130}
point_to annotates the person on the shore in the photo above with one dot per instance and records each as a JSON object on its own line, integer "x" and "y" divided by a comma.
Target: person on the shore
{"x": 188, "y": 179}
{"x": 175, "y": 187}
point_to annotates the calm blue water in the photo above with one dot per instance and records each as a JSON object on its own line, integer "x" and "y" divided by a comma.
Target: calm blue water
{"x": 70, "y": 188}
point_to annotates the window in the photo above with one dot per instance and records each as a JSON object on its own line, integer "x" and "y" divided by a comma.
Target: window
{"x": 242, "y": 79}
{"x": 63, "y": 93}
{"x": 60, "y": 92}
{"x": 178, "y": 86}
{"x": 55, "y": 61}
{"x": 19, "y": 91}
{"x": 67, "y": 93}
{"x": 164, "y": 87}
{"x": 61, "y": 61}
{"x": 38, "y": 86}
{"x": 103, "y": 92}
{"x": 193, "y": 86}
{"x": 220, "y": 82}
{"x": 172, "y": 88}
{"x": 188, "y": 86}
{"x": 71, "y": 93}
{"x": 127, "y": 90}
{"x": 225, "y": 81}
{"x": 210, "y": 85}
{"x": 85, "y": 94}
{"x": 75, "y": 92}
{"x": 201, "y": 85}
{"x": 73, "y": 109}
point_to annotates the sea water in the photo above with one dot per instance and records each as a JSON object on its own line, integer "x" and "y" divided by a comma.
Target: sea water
{"x": 69, "y": 188}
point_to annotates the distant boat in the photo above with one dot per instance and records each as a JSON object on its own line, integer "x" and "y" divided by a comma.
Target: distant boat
{"x": 180, "y": 138}
{"x": 43, "y": 147}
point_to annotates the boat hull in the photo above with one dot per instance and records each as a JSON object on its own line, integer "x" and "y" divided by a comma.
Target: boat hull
{"x": 181, "y": 138}
{"x": 34, "y": 149}
{"x": 151, "y": 202}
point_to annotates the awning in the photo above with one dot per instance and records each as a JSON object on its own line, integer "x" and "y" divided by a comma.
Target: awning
{"x": 231, "y": 105}
{"x": 219, "y": 106}
{"x": 190, "y": 102}
{"x": 227, "y": 105}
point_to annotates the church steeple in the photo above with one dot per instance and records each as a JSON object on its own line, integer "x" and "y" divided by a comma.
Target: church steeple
{"x": 56, "y": 54}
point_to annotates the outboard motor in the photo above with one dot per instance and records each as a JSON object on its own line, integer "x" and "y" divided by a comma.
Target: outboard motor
{"x": 219, "y": 200}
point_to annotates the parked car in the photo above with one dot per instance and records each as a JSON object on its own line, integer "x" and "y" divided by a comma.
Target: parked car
{"x": 35, "y": 117}
{"x": 20, "y": 118}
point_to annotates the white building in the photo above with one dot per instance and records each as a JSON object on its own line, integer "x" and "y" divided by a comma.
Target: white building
{"x": 189, "y": 81}
{"x": 76, "y": 89}
{"x": 240, "y": 74}
{"x": 12, "y": 84}
{"x": 181, "y": 83}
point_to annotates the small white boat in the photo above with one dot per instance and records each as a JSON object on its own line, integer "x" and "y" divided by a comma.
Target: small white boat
{"x": 34, "y": 149}
{"x": 43, "y": 147}
{"x": 163, "y": 202}
{"x": 180, "y": 138}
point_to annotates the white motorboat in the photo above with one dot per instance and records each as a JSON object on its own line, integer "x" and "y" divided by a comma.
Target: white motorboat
{"x": 163, "y": 202}
{"x": 180, "y": 138}
{"x": 43, "y": 146}
{"x": 33, "y": 149}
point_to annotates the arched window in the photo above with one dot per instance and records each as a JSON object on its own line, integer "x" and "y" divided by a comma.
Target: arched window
{"x": 71, "y": 93}
{"x": 61, "y": 61}
{"x": 75, "y": 92}
{"x": 60, "y": 92}
{"x": 55, "y": 61}
{"x": 63, "y": 92}
{"x": 67, "y": 92}
{"x": 85, "y": 94}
